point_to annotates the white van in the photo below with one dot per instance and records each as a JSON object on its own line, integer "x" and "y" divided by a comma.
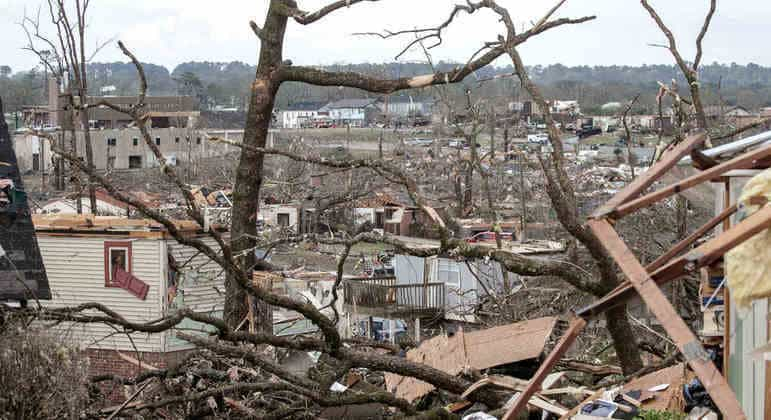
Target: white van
{"x": 539, "y": 138}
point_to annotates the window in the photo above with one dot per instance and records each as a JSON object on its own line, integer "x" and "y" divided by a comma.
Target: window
{"x": 157, "y": 141}
{"x": 135, "y": 162}
{"x": 283, "y": 219}
{"x": 176, "y": 140}
{"x": 197, "y": 140}
{"x": 135, "y": 141}
{"x": 449, "y": 273}
{"x": 117, "y": 260}
{"x": 112, "y": 142}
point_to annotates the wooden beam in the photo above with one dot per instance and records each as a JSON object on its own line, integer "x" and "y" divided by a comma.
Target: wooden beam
{"x": 697, "y": 258}
{"x": 685, "y": 243}
{"x": 576, "y": 325}
{"x": 573, "y": 411}
{"x": 711, "y": 251}
{"x": 746, "y": 160}
{"x": 686, "y": 341}
{"x": 647, "y": 178}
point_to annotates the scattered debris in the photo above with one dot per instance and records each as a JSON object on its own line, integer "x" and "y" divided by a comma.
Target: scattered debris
{"x": 479, "y": 350}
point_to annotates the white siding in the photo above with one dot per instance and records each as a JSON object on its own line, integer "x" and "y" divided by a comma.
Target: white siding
{"x": 75, "y": 268}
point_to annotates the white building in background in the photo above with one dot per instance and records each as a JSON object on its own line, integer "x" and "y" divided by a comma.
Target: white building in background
{"x": 355, "y": 112}
{"x": 405, "y": 106}
{"x": 123, "y": 148}
{"x": 570, "y": 107}
{"x": 279, "y": 215}
{"x": 300, "y": 114}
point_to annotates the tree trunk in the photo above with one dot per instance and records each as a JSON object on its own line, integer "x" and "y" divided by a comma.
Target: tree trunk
{"x": 506, "y": 141}
{"x": 89, "y": 147}
{"x": 246, "y": 197}
{"x": 624, "y": 341}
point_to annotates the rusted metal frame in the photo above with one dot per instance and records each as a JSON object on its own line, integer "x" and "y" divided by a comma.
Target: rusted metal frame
{"x": 685, "y": 243}
{"x": 699, "y": 257}
{"x": 577, "y": 324}
{"x": 744, "y": 161}
{"x": 647, "y": 178}
{"x": 686, "y": 341}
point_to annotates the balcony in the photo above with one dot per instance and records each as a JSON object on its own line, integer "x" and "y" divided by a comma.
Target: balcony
{"x": 383, "y": 297}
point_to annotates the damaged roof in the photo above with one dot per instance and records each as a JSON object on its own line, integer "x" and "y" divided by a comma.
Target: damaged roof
{"x": 22, "y": 273}
{"x": 86, "y": 223}
{"x": 479, "y": 350}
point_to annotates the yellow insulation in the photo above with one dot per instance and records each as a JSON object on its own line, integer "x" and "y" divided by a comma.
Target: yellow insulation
{"x": 748, "y": 266}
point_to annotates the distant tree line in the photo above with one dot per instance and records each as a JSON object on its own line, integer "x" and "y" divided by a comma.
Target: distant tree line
{"x": 227, "y": 84}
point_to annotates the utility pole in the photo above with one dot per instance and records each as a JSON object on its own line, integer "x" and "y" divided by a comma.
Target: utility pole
{"x": 380, "y": 145}
{"x": 523, "y": 218}
{"x": 506, "y": 140}
{"x": 348, "y": 137}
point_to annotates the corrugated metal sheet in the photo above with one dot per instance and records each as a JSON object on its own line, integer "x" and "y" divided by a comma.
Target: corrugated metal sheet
{"x": 202, "y": 286}
{"x": 75, "y": 268}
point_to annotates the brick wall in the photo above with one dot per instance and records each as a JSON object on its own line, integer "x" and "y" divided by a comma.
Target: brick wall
{"x": 109, "y": 362}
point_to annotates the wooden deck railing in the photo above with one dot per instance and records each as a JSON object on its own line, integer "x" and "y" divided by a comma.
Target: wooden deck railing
{"x": 384, "y": 295}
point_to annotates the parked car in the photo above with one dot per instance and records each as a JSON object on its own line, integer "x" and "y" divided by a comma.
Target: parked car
{"x": 419, "y": 142}
{"x": 539, "y": 138}
{"x": 455, "y": 143}
{"x": 489, "y": 236}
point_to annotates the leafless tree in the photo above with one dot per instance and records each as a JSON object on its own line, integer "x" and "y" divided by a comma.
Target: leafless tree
{"x": 236, "y": 257}
{"x": 228, "y": 256}
{"x": 64, "y": 55}
{"x": 689, "y": 70}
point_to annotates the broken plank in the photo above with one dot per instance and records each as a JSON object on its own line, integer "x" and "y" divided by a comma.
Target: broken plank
{"x": 136, "y": 362}
{"x": 743, "y": 161}
{"x": 541, "y": 403}
{"x": 647, "y": 178}
{"x": 534, "y": 385}
{"x": 506, "y": 382}
{"x": 686, "y": 341}
{"x": 576, "y": 409}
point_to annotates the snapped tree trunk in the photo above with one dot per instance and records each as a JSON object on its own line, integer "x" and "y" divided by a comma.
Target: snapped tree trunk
{"x": 246, "y": 197}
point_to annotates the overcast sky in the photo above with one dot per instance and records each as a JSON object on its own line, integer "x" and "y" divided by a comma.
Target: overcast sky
{"x": 169, "y": 32}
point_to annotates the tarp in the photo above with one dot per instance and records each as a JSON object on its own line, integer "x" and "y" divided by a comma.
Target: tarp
{"x": 22, "y": 274}
{"x": 748, "y": 266}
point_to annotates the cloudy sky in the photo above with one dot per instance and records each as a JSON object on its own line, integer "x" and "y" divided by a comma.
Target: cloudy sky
{"x": 169, "y": 32}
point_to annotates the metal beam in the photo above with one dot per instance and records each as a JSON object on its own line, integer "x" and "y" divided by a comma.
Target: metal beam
{"x": 686, "y": 341}
{"x": 577, "y": 324}
{"x": 647, "y": 178}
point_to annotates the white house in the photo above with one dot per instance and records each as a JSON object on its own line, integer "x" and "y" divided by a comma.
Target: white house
{"x": 404, "y": 106}
{"x": 279, "y": 215}
{"x": 570, "y": 107}
{"x": 300, "y": 114}
{"x": 355, "y": 112}
{"x": 136, "y": 269}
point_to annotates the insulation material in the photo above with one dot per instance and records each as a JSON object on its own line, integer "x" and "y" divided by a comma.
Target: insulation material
{"x": 749, "y": 264}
